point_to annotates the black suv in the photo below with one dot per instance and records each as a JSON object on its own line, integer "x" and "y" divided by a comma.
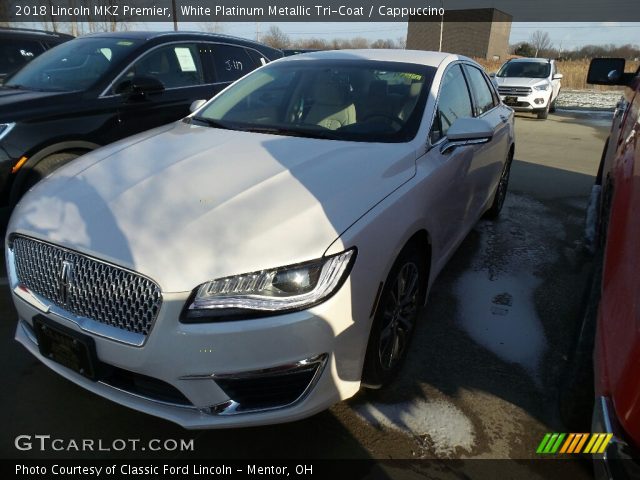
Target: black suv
{"x": 18, "y": 46}
{"x": 103, "y": 87}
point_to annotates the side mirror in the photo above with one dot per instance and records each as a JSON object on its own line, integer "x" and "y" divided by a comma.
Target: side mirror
{"x": 467, "y": 131}
{"x": 196, "y": 104}
{"x": 607, "y": 71}
{"x": 140, "y": 86}
{"x": 492, "y": 74}
{"x": 558, "y": 76}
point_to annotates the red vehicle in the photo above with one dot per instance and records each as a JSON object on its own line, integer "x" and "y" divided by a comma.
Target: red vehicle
{"x": 617, "y": 244}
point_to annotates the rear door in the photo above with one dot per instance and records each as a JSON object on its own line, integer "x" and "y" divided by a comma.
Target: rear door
{"x": 230, "y": 63}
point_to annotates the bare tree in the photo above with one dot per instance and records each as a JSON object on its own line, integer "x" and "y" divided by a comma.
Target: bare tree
{"x": 4, "y": 14}
{"x": 359, "y": 42}
{"x": 212, "y": 27}
{"x": 275, "y": 38}
{"x": 540, "y": 41}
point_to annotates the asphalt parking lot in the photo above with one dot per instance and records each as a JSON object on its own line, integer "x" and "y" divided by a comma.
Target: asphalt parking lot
{"x": 486, "y": 365}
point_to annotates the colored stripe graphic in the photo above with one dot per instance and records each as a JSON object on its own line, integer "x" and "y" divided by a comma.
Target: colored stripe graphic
{"x": 581, "y": 443}
{"x": 543, "y": 443}
{"x": 550, "y": 443}
{"x": 592, "y": 440}
{"x": 558, "y": 442}
{"x": 604, "y": 444}
{"x": 568, "y": 443}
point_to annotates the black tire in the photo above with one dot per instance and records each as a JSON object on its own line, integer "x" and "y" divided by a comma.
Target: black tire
{"x": 386, "y": 352}
{"x": 44, "y": 167}
{"x": 501, "y": 191}
{"x": 552, "y": 107}
{"x": 543, "y": 114}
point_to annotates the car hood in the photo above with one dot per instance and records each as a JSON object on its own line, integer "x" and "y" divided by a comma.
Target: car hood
{"x": 17, "y": 104}
{"x": 184, "y": 204}
{"x": 519, "y": 81}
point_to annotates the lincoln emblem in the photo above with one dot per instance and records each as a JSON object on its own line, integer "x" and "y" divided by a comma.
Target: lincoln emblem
{"x": 65, "y": 280}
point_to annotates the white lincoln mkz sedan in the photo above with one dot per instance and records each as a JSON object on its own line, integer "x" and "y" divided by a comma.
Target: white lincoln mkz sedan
{"x": 268, "y": 255}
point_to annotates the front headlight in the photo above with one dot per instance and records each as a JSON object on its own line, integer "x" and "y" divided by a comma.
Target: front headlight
{"x": 544, "y": 86}
{"x": 269, "y": 292}
{"x": 5, "y": 128}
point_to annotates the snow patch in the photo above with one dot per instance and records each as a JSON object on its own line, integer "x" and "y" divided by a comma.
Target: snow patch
{"x": 588, "y": 99}
{"x": 495, "y": 296}
{"x": 510, "y": 329}
{"x": 445, "y": 424}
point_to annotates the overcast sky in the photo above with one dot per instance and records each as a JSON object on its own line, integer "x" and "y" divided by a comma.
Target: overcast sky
{"x": 566, "y": 35}
{"x": 563, "y": 35}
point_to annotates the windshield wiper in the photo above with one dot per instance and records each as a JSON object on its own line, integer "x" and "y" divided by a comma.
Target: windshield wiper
{"x": 324, "y": 134}
{"x": 212, "y": 123}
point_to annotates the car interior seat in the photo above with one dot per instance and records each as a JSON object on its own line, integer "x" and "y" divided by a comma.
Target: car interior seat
{"x": 332, "y": 107}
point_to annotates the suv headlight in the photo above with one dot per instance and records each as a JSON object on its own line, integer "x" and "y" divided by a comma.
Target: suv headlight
{"x": 544, "y": 86}
{"x": 5, "y": 128}
{"x": 269, "y": 292}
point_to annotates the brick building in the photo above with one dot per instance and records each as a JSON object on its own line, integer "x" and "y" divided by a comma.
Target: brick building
{"x": 482, "y": 33}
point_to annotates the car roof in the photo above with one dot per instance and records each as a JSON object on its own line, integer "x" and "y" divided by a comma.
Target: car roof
{"x": 171, "y": 35}
{"x": 530, "y": 60}
{"x": 422, "y": 57}
{"x": 27, "y": 32}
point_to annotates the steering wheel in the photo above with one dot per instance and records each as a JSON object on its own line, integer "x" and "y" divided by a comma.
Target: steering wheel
{"x": 390, "y": 119}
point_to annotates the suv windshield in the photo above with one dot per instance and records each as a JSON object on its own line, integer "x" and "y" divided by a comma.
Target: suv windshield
{"x": 525, "y": 70}
{"x": 74, "y": 65}
{"x": 357, "y": 100}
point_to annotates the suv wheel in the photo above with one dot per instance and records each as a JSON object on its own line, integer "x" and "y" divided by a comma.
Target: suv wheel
{"x": 552, "y": 107}
{"x": 542, "y": 114}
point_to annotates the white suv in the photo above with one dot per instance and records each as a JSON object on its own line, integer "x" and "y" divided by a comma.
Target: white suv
{"x": 529, "y": 85}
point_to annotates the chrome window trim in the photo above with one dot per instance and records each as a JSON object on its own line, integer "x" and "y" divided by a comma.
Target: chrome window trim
{"x": 105, "y": 93}
{"x": 7, "y": 130}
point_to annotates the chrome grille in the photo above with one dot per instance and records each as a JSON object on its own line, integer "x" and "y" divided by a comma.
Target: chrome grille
{"x": 87, "y": 287}
{"x": 518, "y": 91}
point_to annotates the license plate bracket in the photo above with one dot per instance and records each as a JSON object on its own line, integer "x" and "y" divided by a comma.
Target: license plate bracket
{"x": 66, "y": 347}
{"x": 510, "y": 100}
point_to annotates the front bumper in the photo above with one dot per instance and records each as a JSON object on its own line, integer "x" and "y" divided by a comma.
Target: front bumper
{"x": 619, "y": 461}
{"x": 533, "y": 102}
{"x": 210, "y": 364}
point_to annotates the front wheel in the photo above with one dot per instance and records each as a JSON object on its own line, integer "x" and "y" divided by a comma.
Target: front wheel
{"x": 552, "y": 107}
{"x": 46, "y": 166}
{"x": 543, "y": 114}
{"x": 393, "y": 325}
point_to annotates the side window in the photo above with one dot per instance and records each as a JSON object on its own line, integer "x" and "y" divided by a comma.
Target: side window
{"x": 484, "y": 100}
{"x": 176, "y": 65}
{"x": 257, "y": 58}
{"x": 453, "y": 103}
{"x": 231, "y": 63}
{"x": 15, "y": 53}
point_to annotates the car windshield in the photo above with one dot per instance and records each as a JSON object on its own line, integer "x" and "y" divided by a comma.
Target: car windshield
{"x": 74, "y": 65}
{"x": 525, "y": 70}
{"x": 357, "y": 100}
